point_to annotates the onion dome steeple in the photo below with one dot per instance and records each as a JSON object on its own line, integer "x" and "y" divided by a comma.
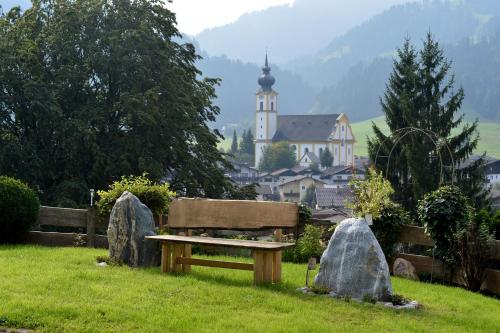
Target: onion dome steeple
{"x": 266, "y": 80}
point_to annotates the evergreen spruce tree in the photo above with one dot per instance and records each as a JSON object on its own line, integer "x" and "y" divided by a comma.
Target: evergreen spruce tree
{"x": 250, "y": 146}
{"x": 242, "y": 148}
{"x": 326, "y": 158}
{"x": 234, "y": 143}
{"x": 420, "y": 94}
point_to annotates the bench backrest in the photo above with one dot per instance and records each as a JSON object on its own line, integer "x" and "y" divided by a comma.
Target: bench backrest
{"x": 231, "y": 214}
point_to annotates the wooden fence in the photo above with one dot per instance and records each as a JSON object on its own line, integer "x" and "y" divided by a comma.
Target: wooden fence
{"x": 424, "y": 264}
{"x": 82, "y": 219}
{"x": 68, "y": 218}
{"x": 87, "y": 219}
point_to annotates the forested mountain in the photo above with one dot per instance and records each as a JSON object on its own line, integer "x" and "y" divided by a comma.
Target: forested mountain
{"x": 477, "y": 69}
{"x": 289, "y": 31}
{"x": 449, "y": 21}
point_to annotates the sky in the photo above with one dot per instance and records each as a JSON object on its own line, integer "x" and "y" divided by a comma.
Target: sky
{"x": 212, "y": 13}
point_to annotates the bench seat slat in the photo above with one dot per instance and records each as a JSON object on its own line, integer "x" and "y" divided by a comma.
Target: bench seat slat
{"x": 248, "y": 244}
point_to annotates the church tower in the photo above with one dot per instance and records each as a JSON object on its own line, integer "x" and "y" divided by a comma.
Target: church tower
{"x": 266, "y": 115}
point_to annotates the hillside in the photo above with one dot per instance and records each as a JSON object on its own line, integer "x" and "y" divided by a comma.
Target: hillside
{"x": 289, "y": 31}
{"x": 489, "y": 133}
{"x": 475, "y": 64}
{"x": 449, "y": 21}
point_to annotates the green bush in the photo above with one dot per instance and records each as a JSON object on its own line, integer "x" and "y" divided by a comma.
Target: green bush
{"x": 156, "y": 197}
{"x": 387, "y": 226}
{"x": 444, "y": 213}
{"x": 308, "y": 245}
{"x": 19, "y": 208}
{"x": 371, "y": 194}
{"x": 495, "y": 224}
{"x": 474, "y": 250}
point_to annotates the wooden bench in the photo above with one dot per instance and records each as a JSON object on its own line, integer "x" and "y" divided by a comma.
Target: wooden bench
{"x": 187, "y": 214}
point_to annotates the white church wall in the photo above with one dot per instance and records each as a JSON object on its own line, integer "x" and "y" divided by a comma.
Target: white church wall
{"x": 273, "y": 119}
{"x": 343, "y": 151}
{"x": 304, "y": 148}
{"x": 349, "y": 154}
{"x": 318, "y": 148}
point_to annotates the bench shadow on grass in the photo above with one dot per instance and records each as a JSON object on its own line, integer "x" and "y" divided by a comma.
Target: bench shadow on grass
{"x": 222, "y": 279}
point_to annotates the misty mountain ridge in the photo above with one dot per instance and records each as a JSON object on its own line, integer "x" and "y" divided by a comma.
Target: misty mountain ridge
{"x": 291, "y": 31}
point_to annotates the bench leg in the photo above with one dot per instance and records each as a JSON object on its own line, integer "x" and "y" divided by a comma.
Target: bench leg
{"x": 166, "y": 257}
{"x": 177, "y": 253}
{"x": 187, "y": 254}
{"x": 268, "y": 266}
{"x": 277, "y": 266}
{"x": 263, "y": 267}
{"x": 258, "y": 267}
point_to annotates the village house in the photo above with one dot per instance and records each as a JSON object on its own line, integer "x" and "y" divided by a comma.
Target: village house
{"x": 340, "y": 176}
{"x": 243, "y": 173}
{"x": 294, "y": 189}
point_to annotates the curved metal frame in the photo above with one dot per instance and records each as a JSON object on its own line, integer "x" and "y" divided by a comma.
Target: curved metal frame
{"x": 431, "y": 135}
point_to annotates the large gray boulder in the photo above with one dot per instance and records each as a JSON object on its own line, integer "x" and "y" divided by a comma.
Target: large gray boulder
{"x": 353, "y": 264}
{"x": 130, "y": 221}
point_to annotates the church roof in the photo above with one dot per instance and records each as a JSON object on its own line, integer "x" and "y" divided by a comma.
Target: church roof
{"x": 314, "y": 127}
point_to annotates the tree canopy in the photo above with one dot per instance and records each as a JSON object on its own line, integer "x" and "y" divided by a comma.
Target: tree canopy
{"x": 420, "y": 94}
{"x": 277, "y": 156}
{"x": 91, "y": 90}
{"x": 326, "y": 158}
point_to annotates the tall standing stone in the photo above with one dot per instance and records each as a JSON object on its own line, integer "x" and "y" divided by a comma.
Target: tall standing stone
{"x": 353, "y": 264}
{"x": 130, "y": 221}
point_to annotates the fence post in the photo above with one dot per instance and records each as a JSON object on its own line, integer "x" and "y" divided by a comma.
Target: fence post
{"x": 91, "y": 219}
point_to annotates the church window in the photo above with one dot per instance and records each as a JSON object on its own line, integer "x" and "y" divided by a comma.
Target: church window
{"x": 260, "y": 126}
{"x": 320, "y": 151}
{"x": 261, "y": 106}
{"x": 272, "y": 106}
{"x": 335, "y": 150}
{"x": 342, "y": 128}
{"x": 306, "y": 150}
{"x": 342, "y": 142}
{"x": 294, "y": 147}
{"x": 348, "y": 151}
{"x": 303, "y": 187}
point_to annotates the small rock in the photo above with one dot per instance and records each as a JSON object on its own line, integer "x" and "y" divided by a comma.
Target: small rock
{"x": 404, "y": 268}
{"x": 101, "y": 264}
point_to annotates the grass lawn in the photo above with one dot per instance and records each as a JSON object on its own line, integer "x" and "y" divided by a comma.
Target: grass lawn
{"x": 489, "y": 136}
{"x": 61, "y": 289}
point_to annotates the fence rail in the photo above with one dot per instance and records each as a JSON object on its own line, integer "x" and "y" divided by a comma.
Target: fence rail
{"x": 87, "y": 219}
{"x": 424, "y": 264}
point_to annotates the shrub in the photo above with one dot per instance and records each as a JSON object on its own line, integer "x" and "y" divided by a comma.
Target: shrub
{"x": 19, "y": 207}
{"x": 495, "y": 224}
{"x": 444, "y": 213}
{"x": 475, "y": 251}
{"x": 305, "y": 214}
{"x": 371, "y": 195}
{"x": 308, "y": 245}
{"x": 387, "y": 226}
{"x": 156, "y": 197}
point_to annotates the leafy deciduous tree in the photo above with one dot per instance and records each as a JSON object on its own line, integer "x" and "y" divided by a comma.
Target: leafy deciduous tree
{"x": 276, "y": 156}
{"x": 91, "y": 90}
